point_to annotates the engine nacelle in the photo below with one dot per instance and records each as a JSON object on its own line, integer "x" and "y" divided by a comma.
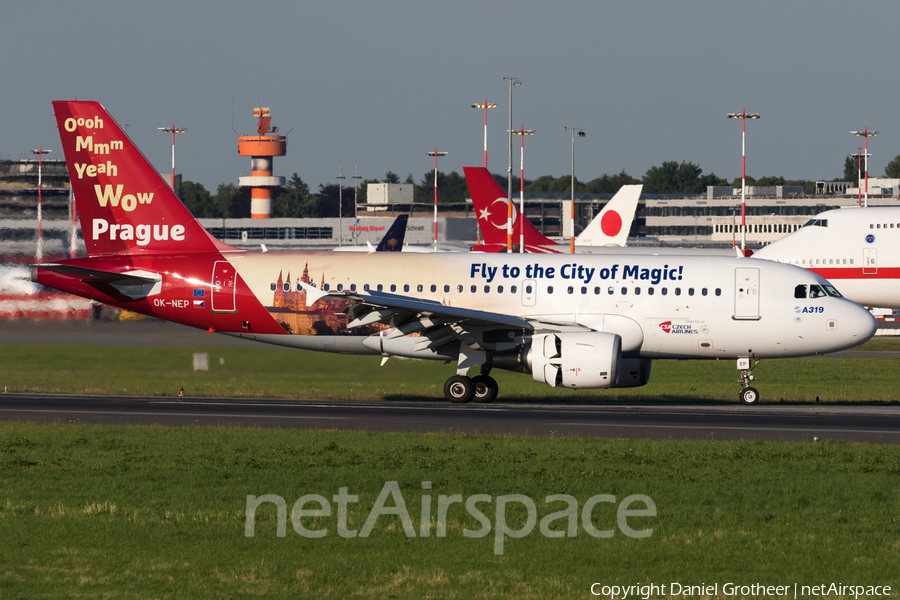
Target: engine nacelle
{"x": 633, "y": 372}
{"x": 587, "y": 360}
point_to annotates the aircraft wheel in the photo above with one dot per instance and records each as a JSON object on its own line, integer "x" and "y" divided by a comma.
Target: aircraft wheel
{"x": 749, "y": 395}
{"x": 459, "y": 389}
{"x": 486, "y": 389}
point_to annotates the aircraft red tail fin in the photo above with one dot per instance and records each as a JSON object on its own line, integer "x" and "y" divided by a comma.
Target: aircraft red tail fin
{"x": 124, "y": 205}
{"x": 490, "y": 203}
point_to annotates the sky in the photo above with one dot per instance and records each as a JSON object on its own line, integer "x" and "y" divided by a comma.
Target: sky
{"x": 379, "y": 83}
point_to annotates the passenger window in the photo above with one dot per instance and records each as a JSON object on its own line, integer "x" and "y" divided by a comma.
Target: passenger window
{"x": 610, "y": 291}
{"x": 340, "y": 287}
{"x": 690, "y": 291}
{"x": 273, "y": 287}
{"x": 446, "y": 289}
{"x": 366, "y": 287}
{"x": 380, "y": 287}
{"x": 499, "y": 289}
{"x": 393, "y": 287}
{"x": 459, "y": 289}
{"x": 718, "y": 291}
{"x": 549, "y": 289}
{"x": 571, "y": 289}
{"x": 420, "y": 288}
{"x": 624, "y": 291}
{"x": 287, "y": 287}
{"x": 637, "y": 291}
{"x": 583, "y": 290}
{"x": 665, "y": 291}
{"x": 704, "y": 291}
{"x": 473, "y": 289}
{"x": 527, "y": 289}
{"x": 487, "y": 289}
{"x": 352, "y": 287}
{"x": 433, "y": 288}
{"x": 325, "y": 287}
{"x": 405, "y": 287}
{"x": 597, "y": 291}
{"x": 816, "y": 292}
{"x": 800, "y": 291}
{"x": 650, "y": 291}
{"x": 512, "y": 289}
{"x": 677, "y": 291}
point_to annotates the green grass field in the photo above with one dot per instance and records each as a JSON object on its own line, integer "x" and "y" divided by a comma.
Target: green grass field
{"x": 128, "y": 512}
{"x": 258, "y": 371}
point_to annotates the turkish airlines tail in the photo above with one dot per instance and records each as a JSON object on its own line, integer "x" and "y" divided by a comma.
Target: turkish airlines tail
{"x": 611, "y": 226}
{"x": 491, "y": 208}
{"x": 124, "y": 205}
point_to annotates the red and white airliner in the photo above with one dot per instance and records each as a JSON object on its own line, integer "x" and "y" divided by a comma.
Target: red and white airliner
{"x": 572, "y": 321}
{"x": 857, "y": 249}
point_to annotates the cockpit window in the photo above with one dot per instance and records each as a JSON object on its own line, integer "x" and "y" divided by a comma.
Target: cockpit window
{"x": 832, "y": 291}
{"x": 800, "y": 291}
{"x": 816, "y": 292}
{"x": 816, "y": 223}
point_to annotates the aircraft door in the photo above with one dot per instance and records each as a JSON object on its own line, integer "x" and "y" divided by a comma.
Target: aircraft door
{"x": 224, "y": 278}
{"x": 870, "y": 264}
{"x": 529, "y": 292}
{"x": 746, "y": 293}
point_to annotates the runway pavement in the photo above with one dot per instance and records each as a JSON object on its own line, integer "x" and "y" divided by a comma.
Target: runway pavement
{"x": 799, "y": 423}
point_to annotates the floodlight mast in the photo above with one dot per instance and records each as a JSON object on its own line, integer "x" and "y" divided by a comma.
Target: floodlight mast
{"x": 743, "y": 116}
{"x": 513, "y": 81}
{"x": 522, "y": 132}
{"x": 436, "y": 154}
{"x": 39, "y": 254}
{"x": 485, "y": 105}
{"x": 341, "y": 179}
{"x": 580, "y": 133}
{"x": 866, "y": 134}
{"x": 173, "y": 130}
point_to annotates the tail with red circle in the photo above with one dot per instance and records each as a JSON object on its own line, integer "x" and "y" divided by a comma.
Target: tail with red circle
{"x": 611, "y": 226}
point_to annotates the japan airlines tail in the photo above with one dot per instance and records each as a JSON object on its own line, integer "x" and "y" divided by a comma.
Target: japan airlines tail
{"x": 858, "y": 249}
{"x": 609, "y": 228}
{"x": 588, "y": 322}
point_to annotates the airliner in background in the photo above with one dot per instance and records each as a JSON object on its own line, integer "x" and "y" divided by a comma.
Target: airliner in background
{"x": 607, "y": 233}
{"x": 858, "y": 249}
{"x": 581, "y": 322}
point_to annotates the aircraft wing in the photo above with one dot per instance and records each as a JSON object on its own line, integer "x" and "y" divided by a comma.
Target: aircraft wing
{"x": 434, "y": 322}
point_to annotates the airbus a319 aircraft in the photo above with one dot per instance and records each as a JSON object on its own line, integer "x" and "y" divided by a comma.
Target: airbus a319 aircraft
{"x": 573, "y": 321}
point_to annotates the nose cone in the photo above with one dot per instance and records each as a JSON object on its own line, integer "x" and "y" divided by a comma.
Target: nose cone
{"x": 859, "y": 325}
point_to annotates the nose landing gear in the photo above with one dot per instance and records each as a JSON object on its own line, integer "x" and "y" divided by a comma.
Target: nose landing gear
{"x": 748, "y": 394}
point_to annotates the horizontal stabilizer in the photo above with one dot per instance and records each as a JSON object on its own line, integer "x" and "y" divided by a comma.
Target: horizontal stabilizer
{"x": 135, "y": 284}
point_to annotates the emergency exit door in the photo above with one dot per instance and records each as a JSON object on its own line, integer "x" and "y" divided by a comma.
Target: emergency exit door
{"x": 746, "y": 293}
{"x": 870, "y": 263}
{"x": 224, "y": 278}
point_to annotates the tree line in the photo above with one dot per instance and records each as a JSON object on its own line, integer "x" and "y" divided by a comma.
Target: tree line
{"x": 296, "y": 200}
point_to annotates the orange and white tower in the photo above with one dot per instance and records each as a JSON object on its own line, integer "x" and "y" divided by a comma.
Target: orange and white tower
{"x": 261, "y": 149}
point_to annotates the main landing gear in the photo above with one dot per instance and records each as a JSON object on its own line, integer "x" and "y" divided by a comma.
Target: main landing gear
{"x": 460, "y": 389}
{"x": 748, "y": 395}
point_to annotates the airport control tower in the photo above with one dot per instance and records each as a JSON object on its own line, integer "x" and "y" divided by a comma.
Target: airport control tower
{"x": 261, "y": 149}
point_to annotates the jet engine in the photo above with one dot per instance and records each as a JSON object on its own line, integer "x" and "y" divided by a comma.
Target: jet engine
{"x": 587, "y": 360}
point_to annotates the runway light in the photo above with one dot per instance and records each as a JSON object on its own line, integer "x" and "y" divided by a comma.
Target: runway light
{"x": 5, "y": 390}
{"x": 181, "y": 391}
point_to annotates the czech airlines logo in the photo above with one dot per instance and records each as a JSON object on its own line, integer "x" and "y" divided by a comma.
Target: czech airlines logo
{"x": 502, "y": 214}
{"x": 611, "y": 224}
{"x": 870, "y": 239}
{"x": 666, "y": 326}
